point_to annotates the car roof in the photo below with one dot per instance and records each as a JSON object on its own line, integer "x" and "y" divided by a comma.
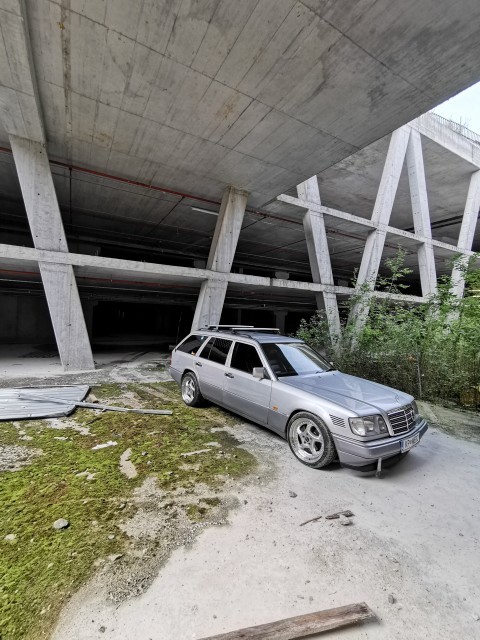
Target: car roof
{"x": 258, "y": 336}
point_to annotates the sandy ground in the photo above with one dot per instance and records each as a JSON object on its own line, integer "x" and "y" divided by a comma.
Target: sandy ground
{"x": 415, "y": 535}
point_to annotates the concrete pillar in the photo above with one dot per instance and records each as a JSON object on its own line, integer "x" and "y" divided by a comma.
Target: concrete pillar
{"x": 280, "y": 320}
{"x": 47, "y": 230}
{"x": 220, "y": 259}
{"x": 382, "y": 210}
{"x": 421, "y": 213}
{"x": 467, "y": 233}
{"x": 319, "y": 256}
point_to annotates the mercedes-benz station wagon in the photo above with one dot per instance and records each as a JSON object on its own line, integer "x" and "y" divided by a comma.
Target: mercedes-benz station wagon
{"x": 283, "y": 384}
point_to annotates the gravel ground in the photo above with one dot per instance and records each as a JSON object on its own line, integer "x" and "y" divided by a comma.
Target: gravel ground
{"x": 411, "y": 553}
{"x": 14, "y": 457}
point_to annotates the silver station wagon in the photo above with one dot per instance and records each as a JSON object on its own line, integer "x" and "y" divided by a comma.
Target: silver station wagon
{"x": 286, "y": 386}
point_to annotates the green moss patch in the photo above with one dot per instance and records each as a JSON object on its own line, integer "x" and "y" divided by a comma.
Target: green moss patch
{"x": 42, "y": 567}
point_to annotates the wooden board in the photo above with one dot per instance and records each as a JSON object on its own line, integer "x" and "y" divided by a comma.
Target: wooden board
{"x": 302, "y": 626}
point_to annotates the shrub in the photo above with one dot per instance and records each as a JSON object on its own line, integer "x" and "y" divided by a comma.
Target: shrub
{"x": 431, "y": 350}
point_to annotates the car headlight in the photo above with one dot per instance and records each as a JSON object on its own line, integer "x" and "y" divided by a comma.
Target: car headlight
{"x": 368, "y": 426}
{"x": 415, "y": 408}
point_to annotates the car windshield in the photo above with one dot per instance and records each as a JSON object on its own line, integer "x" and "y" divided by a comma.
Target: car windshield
{"x": 294, "y": 359}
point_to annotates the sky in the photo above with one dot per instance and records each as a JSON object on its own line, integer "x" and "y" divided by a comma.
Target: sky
{"x": 463, "y": 108}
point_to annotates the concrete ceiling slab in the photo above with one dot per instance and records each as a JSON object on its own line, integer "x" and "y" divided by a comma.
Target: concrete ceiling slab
{"x": 260, "y": 94}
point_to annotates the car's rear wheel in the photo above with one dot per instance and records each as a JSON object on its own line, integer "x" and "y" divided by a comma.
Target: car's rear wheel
{"x": 191, "y": 391}
{"x": 310, "y": 440}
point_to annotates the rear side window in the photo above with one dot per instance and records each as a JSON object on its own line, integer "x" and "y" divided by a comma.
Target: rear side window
{"x": 245, "y": 357}
{"x": 192, "y": 344}
{"x": 217, "y": 350}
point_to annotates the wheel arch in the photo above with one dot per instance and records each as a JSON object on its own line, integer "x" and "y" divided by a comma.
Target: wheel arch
{"x": 322, "y": 414}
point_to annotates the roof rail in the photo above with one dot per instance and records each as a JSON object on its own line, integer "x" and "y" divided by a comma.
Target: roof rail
{"x": 260, "y": 330}
{"x": 223, "y": 327}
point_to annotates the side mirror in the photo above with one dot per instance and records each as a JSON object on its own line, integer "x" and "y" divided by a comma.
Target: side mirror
{"x": 259, "y": 373}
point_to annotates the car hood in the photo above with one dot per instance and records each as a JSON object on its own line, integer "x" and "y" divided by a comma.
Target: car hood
{"x": 356, "y": 394}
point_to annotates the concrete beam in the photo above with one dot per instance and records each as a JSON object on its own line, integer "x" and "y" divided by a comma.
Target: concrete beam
{"x": 220, "y": 259}
{"x": 48, "y": 234}
{"x": 421, "y": 214}
{"x": 467, "y": 233}
{"x": 364, "y": 222}
{"x": 435, "y": 129}
{"x": 319, "y": 256}
{"x": 112, "y": 267}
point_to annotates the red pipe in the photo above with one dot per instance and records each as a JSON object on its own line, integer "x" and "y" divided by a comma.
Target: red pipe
{"x": 144, "y": 185}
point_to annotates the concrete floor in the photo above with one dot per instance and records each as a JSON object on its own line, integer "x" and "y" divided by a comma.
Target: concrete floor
{"x": 30, "y": 365}
{"x": 415, "y": 535}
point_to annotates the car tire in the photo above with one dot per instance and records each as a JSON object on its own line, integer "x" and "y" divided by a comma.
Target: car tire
{"x": 310, "y": 440}
{"x": 191, "y": 390}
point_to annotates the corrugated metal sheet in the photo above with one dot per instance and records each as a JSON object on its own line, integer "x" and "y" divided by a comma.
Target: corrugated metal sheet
{"x": 15, "y": 407}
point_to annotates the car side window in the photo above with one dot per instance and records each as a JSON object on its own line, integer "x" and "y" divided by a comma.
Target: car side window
{"x": 216, "y": 350}
{"x": 192, "y": 344}
{"x": 245, "y": 357}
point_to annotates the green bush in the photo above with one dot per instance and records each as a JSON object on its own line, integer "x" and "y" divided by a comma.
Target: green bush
{"x": 431, "y": 350}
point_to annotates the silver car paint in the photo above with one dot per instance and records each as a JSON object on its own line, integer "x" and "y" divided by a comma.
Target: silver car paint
{"x": 332, "y": 396}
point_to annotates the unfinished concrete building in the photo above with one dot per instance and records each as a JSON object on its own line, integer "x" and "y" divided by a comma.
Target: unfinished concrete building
{"x": 168, "y": 164}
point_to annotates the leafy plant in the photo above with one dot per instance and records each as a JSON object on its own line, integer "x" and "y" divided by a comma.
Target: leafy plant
{"x": 431, "y": 350}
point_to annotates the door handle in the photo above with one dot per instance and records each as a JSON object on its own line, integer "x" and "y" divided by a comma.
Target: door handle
{"x": 198, "y": 364}
{"x": 229, "y": 375}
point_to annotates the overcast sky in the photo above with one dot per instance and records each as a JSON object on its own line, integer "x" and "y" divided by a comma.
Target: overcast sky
{"x": 464, "y": 108}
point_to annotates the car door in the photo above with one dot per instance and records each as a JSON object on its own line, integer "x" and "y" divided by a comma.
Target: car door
{"x": 210, "y": 368}
{"x": 242, "y": 392}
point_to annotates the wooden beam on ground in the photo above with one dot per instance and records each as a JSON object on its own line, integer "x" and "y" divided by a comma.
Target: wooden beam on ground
{"x": 302, "y": 626}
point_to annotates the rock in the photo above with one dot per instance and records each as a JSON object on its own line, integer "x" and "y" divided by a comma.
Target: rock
{"x": 292, "y": 494}
{"x": 391, "y": 599}
{"x": 61, "y": 523}
{"x": 115, "y": 556}
{"x": 122, "y": 505}
{"x": 475, "y": 617}
{"x": 92, "y": 398}
{"x": 102, "y": 629}
{"x": 10, "y": 537}
{"x": 110, "y": 443}
{"x": 345, "y": 521}
{"x": 111, "y": 537}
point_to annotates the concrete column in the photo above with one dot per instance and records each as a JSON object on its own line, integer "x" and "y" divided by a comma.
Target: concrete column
{"x": 382, "y": 210}
{"x": 467, "y": 233}
{"x": 220, "y": 259}
{"x": 280, "y": 317}
{"x": 421, "y": 213}
{"x": 47, "y": 230}
{"x": 319, "y": 256}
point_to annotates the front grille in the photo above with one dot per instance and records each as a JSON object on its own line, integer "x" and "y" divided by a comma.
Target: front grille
{"x": 339, "y": 422}
{"x": 402, "y": 420}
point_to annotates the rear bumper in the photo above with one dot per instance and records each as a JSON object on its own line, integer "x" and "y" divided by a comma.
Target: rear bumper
{"x": 353, "y": 453}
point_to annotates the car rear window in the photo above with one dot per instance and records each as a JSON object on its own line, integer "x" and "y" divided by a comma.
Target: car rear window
{"x": 217, "y": 350}
{"x": 192, "y": 344}
{"x": 245, "y": 357}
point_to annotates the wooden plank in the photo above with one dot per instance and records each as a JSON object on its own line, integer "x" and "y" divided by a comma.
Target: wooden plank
{"x": 302, "y": 626}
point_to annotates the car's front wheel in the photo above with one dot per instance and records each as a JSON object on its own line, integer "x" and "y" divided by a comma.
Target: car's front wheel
{"x": 191, "y": 391}
{"x": 310, "y": 440}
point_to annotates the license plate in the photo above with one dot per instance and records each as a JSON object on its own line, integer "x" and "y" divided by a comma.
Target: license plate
{"x": 408, "y": 443}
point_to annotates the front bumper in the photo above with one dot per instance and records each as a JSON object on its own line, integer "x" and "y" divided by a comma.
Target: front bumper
{"x": 354, "y": 453}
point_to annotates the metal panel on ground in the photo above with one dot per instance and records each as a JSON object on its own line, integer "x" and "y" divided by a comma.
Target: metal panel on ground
{"x": 13, "y": 406}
